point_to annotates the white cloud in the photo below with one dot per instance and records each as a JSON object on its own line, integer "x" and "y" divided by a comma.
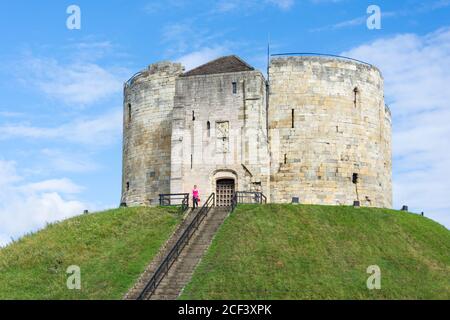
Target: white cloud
{"x": 184, "y": 37}
{"x": 26, "y": 207}
{"x": 282, "y": 4}
{"x": 69, "y": 160}
{"x": 8, "y": 114}
{"x": 405, "y": 12}
{"x": 100, "y": 131}
{"x": 416, "y": 71}
{"x": 244, "y": 6}
{"x": 8, "y": 173}
{"x": 154, "y": 7}
{"x": 78, "y": 83}
{"x": 75, "y": 78}
{"x": 61, "y": 185}
{"x": 358, "y": 21}
{"x": 201, "y": 56}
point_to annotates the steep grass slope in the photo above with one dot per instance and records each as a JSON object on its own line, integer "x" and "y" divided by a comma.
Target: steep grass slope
{"x": 320, "y": 252}
{"x": 111, "y": 248}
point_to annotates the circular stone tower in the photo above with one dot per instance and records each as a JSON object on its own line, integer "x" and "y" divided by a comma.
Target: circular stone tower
{"x": 148, "y": 107}
{"x": 330, "y": 132}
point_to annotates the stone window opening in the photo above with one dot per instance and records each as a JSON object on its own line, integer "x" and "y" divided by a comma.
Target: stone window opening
{"x": 193, "y": 115}
{"x": 192, "y": 161}
{"x": 208, "y": 128}
{"x": 355, "y": 180}
{"x": 234, "y": 87}
{"x": 356, "y": 92}
{"x": 128, "y": 186}
{"x": 129, "y": 113}
{"x": 293, "y": 118}
{"x": 285, "y": 158}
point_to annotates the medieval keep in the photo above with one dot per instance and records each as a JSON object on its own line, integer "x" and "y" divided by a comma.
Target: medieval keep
{"x": 317, "y": 130}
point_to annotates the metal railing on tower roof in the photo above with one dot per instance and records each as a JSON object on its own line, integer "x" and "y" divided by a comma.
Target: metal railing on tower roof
{"x": 313, "y": 54}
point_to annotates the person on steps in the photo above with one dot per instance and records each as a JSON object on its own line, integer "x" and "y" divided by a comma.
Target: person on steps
{"x": 195, "y": 196}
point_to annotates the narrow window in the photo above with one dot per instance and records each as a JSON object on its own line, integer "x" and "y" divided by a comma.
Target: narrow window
{"x": 355, "y": 178}
{"x": 128, "y": 186}
{"x": 192, "y": 161}
{"x": 285, "y": 158}
{"x": 129, "y": 112}
{"x": 234, "y": 87}
{"x": 193, "y": 115}
{"x": 356, "y": 91}
{"x": 208, "y": 128}
{"x": 293, "y": 118}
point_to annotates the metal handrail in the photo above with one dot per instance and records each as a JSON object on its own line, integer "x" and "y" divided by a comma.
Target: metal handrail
{"x": 241, "y": 196}
{"x": 319, "y": 55}
{"x": 176, "y": 250}
{"x": 234, "y": 202}
{"x": 130, "y": 81}
{"x": 168, "y": 200}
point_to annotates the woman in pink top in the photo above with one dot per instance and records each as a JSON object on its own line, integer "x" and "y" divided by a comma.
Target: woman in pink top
{"x": 195, "y": 196}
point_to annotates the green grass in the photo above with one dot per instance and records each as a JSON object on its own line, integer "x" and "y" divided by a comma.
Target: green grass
{"x": 321, "y": 252}
{"x": 112, "y": 249}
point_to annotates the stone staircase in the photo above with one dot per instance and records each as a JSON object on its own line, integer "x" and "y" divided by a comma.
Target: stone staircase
{"x": 182, "y": 270}
{"x": 134, "y": 292}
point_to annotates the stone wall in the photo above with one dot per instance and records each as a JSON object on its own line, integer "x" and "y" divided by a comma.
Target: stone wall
{"x": 329, "y": 138}
{"x": 328, "y": 125}
{"x": 149, "y": 97}
{"x": 233, "y": 144}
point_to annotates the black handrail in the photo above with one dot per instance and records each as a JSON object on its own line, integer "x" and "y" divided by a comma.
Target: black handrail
{"x": 173, "y": 199}
{"x": 176, "y": 250}
{"x": 247, "y": 197}
{"x": 234, "y": 202}
{"x": 312, "y": 54}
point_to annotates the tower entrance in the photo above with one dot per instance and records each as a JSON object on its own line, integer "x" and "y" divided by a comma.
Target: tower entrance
{"x": 225, "y": 189}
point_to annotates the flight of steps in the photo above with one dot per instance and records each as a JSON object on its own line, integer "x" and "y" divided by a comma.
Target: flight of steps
{"x": 148, "y": 273}
{"x": 182, "y": 270}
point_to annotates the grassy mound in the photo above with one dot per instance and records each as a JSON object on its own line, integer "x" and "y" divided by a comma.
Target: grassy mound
{"x": 320, "y": 252}
{"x": 111, "y": 248}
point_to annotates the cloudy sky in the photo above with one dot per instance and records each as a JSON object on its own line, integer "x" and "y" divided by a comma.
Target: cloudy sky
{"x": 61, "y": 89}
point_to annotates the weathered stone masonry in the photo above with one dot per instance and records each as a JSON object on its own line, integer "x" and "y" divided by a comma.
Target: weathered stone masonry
{"x": 324, "y": 135}
{"x": 148, "y": 107}
{"x": 329, "y": 127}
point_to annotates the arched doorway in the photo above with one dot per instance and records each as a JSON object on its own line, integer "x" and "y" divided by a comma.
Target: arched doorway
{"x": 225, "y": 189}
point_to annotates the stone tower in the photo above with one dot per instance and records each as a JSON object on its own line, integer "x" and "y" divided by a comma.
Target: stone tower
{"x": 320, "y": 133}
{"x": 148, "y": 107}
{"x": 330, "y": 132}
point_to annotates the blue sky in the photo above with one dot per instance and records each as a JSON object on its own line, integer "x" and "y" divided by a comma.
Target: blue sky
{"x": 61, "y": 89}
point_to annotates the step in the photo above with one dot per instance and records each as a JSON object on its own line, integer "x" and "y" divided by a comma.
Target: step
{"x": 148, "y": 273}
{"x": 183, "y": 268}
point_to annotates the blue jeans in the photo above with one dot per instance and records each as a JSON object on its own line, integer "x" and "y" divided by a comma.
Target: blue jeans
{"x": 195, "y": 200}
